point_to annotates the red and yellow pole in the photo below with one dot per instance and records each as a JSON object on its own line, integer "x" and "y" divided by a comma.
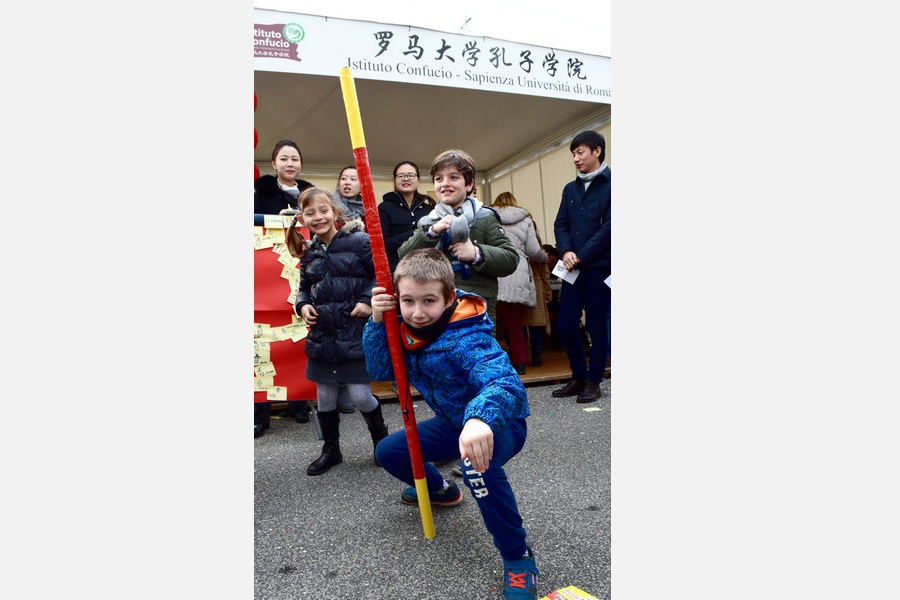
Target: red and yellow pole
{"x": 383, "y": 277}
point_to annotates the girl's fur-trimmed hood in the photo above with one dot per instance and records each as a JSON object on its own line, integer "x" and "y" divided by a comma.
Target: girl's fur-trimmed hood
{"x": 348, "y": 227}
{"x": 353, "y": 225}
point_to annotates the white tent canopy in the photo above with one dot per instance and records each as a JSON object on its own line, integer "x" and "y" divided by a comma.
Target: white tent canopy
{"x": 420, "y": 92}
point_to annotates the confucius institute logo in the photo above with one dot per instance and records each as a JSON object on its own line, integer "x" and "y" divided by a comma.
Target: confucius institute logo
{"x": 293, "y": 33}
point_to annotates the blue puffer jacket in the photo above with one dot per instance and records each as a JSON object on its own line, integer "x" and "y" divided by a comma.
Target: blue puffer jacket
{"x": 333, "y": 280}
{"x": 462, "y": 374}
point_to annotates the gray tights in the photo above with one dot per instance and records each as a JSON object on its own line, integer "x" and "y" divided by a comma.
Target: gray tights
{"x": 360, "y": 394}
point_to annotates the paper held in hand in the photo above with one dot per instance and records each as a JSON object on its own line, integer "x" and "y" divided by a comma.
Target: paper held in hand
{"x": 560, "y": 271}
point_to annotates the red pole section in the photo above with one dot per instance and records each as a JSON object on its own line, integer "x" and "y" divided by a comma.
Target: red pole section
{"x": 383, "y": 278}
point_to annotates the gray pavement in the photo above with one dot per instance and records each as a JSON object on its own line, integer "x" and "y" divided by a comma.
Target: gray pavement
{"x": 345, "y": 535}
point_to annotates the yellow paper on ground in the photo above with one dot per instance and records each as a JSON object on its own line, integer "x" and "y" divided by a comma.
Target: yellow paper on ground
{"x": 570, "y": 592}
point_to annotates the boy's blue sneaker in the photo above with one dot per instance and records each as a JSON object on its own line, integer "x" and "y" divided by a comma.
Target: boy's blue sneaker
{"x": 448, "y": 497}
{"x": 520, "y": 578}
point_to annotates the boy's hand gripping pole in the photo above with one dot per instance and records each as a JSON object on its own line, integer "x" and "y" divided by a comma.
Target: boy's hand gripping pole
{"x": 383, "y": 277}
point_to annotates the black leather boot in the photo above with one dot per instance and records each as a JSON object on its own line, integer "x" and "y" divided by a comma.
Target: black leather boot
{"x": 377, "y": 429}
{"x": 299, "y": 410}
{"x": 573, "y": 388}
{"x": 331, "y": 450}
{"x": 262, "y": 414}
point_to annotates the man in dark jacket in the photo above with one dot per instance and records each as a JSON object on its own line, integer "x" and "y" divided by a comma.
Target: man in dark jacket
{"x": 582, "y": 230}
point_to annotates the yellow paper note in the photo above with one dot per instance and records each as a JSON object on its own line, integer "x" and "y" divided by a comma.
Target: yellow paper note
{"x": 273, "y": 222}
{"x": 286, "y": 332}
{"x": 299, "y": 333}
{"x": 262, "y": 242}
{"x": 292, "y": 274}
{"x": 265, "y": 370}
{"x": 277, "y": 235}
{"x": 286, "y": 258}
{"x": 261, "y": 354}
{"x": 279, "y": 392}
{"x": 262, "y": 331}
{"x": 263, "y": 384}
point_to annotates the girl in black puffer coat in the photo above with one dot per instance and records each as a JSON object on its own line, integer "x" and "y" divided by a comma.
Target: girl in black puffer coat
{"x": 334, "y": 298}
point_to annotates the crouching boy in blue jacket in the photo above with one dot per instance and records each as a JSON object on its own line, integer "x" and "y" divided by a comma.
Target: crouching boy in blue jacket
{"x": 478, "y": 399}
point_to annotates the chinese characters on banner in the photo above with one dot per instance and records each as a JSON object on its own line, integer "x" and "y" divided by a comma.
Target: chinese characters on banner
{"x": 308, "y": 44}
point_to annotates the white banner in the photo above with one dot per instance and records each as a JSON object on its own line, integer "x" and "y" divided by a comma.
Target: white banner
{"x": 314, "y": 45}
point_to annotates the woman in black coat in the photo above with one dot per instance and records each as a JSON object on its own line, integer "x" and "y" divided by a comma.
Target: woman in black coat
{"x": 276, "y": 194}
{"x": 401, "y": 209}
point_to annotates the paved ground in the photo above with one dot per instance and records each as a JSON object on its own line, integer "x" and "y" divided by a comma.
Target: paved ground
{"x": 346, "y": 535}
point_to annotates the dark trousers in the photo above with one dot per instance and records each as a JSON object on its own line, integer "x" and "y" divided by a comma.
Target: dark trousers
{"x": 536, "y": 335}
{"x": 590, "y": 295}
{"x": 439, "y": 442}
{"x": 298, "y": 408}
{"x": 262, "y": 413}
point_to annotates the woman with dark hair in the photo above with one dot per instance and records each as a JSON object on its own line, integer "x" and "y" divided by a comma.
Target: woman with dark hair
{"x": 347, "y": 195}
{"x": 277, "y": 194}
{"x": 401, "y": 209}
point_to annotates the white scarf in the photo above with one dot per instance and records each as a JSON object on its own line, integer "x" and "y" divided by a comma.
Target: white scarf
{"x": 587, "y": 178}
{"x": 293, "y": 190}
{"x": 464, "y": 217}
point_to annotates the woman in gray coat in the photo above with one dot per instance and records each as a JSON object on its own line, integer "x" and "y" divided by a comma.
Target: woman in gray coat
{"x": 516, "y": 292}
